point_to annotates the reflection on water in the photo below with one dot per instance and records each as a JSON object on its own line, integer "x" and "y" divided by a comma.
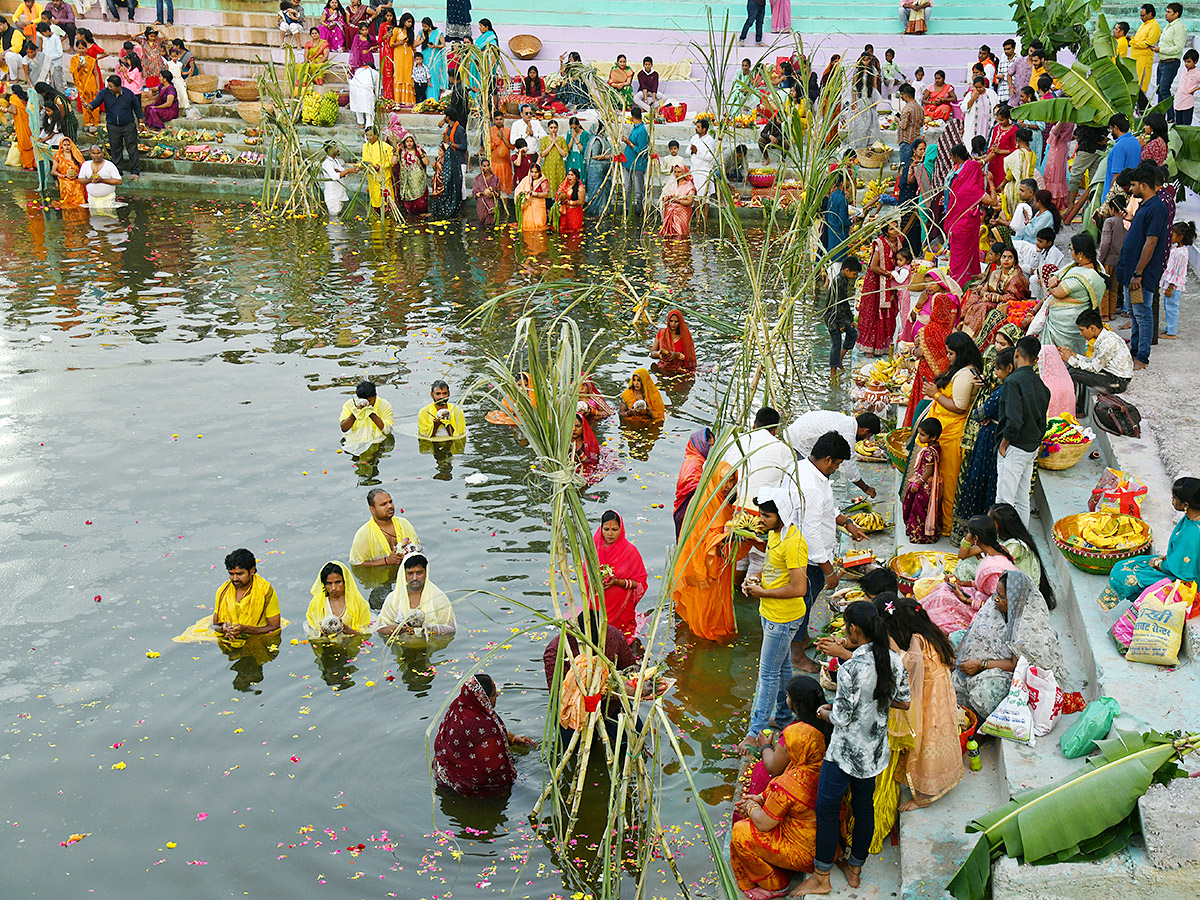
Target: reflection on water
{"x": 171, "y": 383}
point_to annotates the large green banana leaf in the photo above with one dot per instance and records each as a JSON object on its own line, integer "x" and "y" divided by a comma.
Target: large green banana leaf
{"x": 1184, "y": 159}
{"x": 1103, "y": 85}
{"x": 1078, "y": 816}
{"x": 1062, "y": 109}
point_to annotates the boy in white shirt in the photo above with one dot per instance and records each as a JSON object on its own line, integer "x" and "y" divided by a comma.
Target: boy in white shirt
{"x": 667, "y": 164}
{"x": 333, "y": 173}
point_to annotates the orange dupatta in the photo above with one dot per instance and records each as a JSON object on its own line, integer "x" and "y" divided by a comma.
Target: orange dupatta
{"x": 703, "y": 589}
{"x": 654, "y": 401}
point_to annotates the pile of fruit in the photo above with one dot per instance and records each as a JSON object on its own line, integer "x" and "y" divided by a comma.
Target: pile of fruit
{"x": 1065, "y": 430}
{"x": 198, "y": 136}
{"x": 319, "y": 109}
{"x": 876, "y": 189}
{"x": 868, "y": 449}
{"x": 745, "y": 523}
{"x": 869, "y": 521}
{"x": 430, "y": 105}
{"x": 767, "y": 170}
{"x": 1108, "y": 531}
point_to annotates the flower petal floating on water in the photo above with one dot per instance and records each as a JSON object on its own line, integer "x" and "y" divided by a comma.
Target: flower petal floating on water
{"x": 200, "y": 817}
{"x": 74, "y": 839}
{"x": 118, "y": 766}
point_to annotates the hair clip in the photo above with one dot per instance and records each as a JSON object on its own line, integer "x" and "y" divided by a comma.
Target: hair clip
{"x": 890, "y": 607}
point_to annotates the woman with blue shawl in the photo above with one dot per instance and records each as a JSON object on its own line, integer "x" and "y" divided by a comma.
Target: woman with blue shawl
{"x": 599, "y": 162}
{"x": 487, "y": 38}
{"x": 1182, "y": 561}
{"x": 433, "y": 49}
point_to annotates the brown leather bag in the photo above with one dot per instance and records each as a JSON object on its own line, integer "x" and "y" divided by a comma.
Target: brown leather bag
{"x": 1117, "y": 416}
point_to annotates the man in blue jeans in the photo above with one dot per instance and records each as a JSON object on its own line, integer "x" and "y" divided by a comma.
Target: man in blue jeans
{"x": 755, "y": 9}
{"x": 1141, "y": 263}
{"x": 780, "y": 592}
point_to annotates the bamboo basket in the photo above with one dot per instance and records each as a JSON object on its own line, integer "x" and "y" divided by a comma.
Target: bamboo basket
{"x": 1097, "y": 562}
{"x": 895, "y": 444}
{"x": 1061, "y": 456}
{"x": 870, "y": 159}
{"x": 197, "y": 97}
{"x": 251, "y": 112}
{"x": 202, "y": 84}
{"x": 246, "y": 91}
{"x": 524, "y": 46}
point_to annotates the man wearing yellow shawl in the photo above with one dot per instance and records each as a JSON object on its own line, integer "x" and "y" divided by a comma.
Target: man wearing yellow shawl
{"x": 366, "y": 420}
{"x": 377, "y": 160}
{"x": 384, "y": 540}
{"x": 1141, "y": 46}
{"x": 642, "y": 399}
{"x": 441, "y": 420}
{"x": 421, "y": 605}
{"x": 335, "y": 595}
{"x": 246, "y": 604}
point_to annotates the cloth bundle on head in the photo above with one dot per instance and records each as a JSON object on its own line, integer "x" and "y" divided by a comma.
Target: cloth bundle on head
{"x": 787, "y": 500}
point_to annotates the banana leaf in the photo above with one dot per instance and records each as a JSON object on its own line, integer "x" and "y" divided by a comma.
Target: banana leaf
{"x": 1076, "y": 816}
{"x": 1062, "y": 109}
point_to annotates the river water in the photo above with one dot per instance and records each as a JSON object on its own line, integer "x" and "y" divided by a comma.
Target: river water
{"x": 172, "y": 379}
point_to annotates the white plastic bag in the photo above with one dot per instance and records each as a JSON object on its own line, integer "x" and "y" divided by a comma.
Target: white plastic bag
{"x": 1045, "y": 699}
{"x": 1013, "y": 718}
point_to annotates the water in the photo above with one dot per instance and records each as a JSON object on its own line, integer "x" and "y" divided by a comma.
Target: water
{"x": 171, "y": 384}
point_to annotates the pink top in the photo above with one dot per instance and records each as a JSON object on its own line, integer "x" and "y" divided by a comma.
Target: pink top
{"x": 1177, "y": 264}
{"x": 1189, "y": 80}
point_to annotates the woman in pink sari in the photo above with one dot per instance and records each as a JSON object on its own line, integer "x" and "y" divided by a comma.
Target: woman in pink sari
{"x": 965, "y": 187}
{"x": 1057, "y": 147}
{"x": 624, "y": 580}
{"x": 1002, "y": 143}
{"x": 952, "y": 606}
{"x": 781, "y": 16}
{"x": 879, "y": 302}
{"x": 677, "y": 198}
{"x": 921, "y": 498}
{"x": 333, "y": 26}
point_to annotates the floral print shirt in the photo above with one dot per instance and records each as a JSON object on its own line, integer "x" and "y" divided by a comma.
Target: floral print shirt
{"x": 859, "y": 744}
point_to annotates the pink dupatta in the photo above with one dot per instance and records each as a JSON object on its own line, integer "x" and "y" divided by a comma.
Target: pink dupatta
{"x": 626, "y": 562}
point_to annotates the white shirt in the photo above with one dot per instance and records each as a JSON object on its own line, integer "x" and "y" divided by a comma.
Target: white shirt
{"x": 335, "y": 190}
{"x": 106, "y": 170}
{"x": 533, "y": 134}
{"x": 364, "y": 88}
{"x": 803, "y": 433}
{"x": 820, "y": 513}
{"x": 1109, "y": 354}
{"x": 762, "y": 461}
{"x": 703, "y": 150}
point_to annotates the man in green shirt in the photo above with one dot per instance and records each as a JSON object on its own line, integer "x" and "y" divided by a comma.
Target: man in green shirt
{"x": 1171, "y": 44}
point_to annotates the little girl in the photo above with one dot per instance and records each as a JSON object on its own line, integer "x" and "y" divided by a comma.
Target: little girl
{"x": 1183, "y": 235}
{"x": 901, "y": 278}
{"x": 922, "y": 496}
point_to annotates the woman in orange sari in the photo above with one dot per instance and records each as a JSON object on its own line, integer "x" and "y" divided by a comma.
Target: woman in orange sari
{"x": 24, "y": 134}
{"x": 673, "y": 346}
{"x": 641, "y": 400}
{"x": 65, "y": 167}
{"x": 778, "y": 835}
{"x": 403, "y": 43}
{"x": 535, "y": 189}
{"x": 694, "y": 455}
{"x": 85, "y": 72}
{"x": 703, "y": 588}
{"x": 938, "y": 98}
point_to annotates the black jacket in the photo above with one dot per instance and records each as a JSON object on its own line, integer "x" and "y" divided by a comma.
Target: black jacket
{"x": 1023, "y": 409}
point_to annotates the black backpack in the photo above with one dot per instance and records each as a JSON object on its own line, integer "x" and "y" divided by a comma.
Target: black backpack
{"x": 1117, "y": 416}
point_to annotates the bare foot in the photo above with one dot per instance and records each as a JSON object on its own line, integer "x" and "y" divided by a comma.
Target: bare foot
{"x": 764, "y": 894}
{"x": 852, "y": 873}
{"x": 806, "y": 665}
{"x": 816, "y": 883}
{"x": 910, "y": 805}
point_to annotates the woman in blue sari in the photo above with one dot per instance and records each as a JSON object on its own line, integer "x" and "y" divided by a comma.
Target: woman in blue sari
{"x": 487, "y": 38}
{"x": 433, "y": 48}
{"x": 599, "y": 162}
{"x": 1182, "y": 561}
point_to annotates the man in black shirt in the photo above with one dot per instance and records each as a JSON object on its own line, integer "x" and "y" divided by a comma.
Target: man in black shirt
{"x": 1023, "y": 409}
{"x": 122, "y": 112}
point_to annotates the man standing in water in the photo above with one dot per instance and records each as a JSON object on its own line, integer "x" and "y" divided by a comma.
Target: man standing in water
{"x": 437, "y": 615}
{"x": 366, "y": 419}
{"x": 246, "y": 603}
{"x": 385, "y": 538}
{"x": 441, "y": 419}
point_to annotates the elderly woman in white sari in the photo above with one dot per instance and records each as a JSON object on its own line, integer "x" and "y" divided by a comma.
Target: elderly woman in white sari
{"x": 1013, "y": 623}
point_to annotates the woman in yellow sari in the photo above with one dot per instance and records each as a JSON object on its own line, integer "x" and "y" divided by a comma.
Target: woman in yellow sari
{"x": 1018, "y": 165}
{"x": 951, "y": 397}
{"x": 65, "y": 167}
{"x": 336, "y": 596}
{"x": 703, "y": 588}
{"x": 534, "y": 188}
{"x": 86, "y": 73}
{"x": 778, "y": 835}
{"x": 377, "y": 158}
{"x": 641, "y": 400}
{"x": 403, "y": 44}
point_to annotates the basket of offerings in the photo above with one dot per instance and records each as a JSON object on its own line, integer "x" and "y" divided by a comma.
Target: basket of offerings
{"x": 761, "y": 178}
{"x": 875, "y": 156}
{"x": 854, "y": 564}
{"x": 1066, "y": 442}
{"x": 914, "y": 565}
{"x": 869, "y": 451}
{"x": 895, "y": 443}
{"x": 967, "y": 723}
{"x": 1097, "y": 541}
{"x": 524, "y": 46}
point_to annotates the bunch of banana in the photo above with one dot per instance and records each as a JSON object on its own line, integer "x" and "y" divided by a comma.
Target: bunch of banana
{"x": 869, "y": 521}
{"x": 1105, "y": 531}
{"x": 745, "y": 521}
{"x": 874, "y": 189}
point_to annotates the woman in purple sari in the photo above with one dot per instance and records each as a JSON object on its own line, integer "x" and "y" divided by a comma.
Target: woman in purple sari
{"x": 333, "y": 26}
{"x": 965, "y": 187}
{"x": 166, "y": 104}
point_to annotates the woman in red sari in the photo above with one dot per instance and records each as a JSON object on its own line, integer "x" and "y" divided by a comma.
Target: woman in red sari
{"x": 879, "y": 301}
{"x": 965, "y": 188}
{"x": 387, "y": 71}
{"x": 931, "y": 349}
{"x": 673, "y": 346}
{"x": 694, "y": 455}
{"x": 622, "y": 574}
{"x": 584, "y": 446}
{"x": 571, "y": 198}
{"x": 1003, "y": 142}
{"x": 471, "y": 754}
{"x": 938, "y": 98}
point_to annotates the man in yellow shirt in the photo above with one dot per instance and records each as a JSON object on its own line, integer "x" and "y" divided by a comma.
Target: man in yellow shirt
{"x": 26, "y": 17}
{"x": 246, "y": 603}
{"x": 1120, "y": 34}
{"x": 1037, "y": 67}
{"x": 441, "y": 420}
{"x": 1141, "y": 48}
{"x": 780, "y": 593}
{"x": 366, "y": 419}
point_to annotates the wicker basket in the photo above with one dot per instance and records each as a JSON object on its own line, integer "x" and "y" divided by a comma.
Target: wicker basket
{"x": 895, "y": 444}
{"x": 197, "y": 97}
{"x": 524, "y": 46}
{"x": 245, "y": 91}
{"x": 202, "y": 84}
{"x": 251, "y": 112}
{"x": 1061, "y": 456}
{"x": 1097, "y": 562}
{"x": 871, "y": 159}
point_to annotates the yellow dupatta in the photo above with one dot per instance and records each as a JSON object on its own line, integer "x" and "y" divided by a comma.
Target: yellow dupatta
{"x": 259, "y": 604}
{"x": 427, "y": 418}
{"x": 654, "y": 401}
{"x": 357, "y": 614}
{"x": 371, "y": 543}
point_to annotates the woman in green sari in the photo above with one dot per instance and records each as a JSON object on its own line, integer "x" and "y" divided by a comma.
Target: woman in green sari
{"x": 1182, "y": 561}
{"x": 1078, "y": 287}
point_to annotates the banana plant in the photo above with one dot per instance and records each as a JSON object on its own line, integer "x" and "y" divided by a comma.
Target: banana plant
{"x": 1058, "y": 24}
